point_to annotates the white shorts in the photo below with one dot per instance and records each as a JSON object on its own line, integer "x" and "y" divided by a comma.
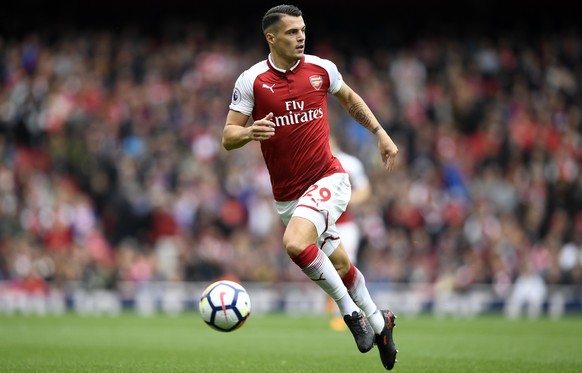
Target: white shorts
{"x": 322, "y": 204}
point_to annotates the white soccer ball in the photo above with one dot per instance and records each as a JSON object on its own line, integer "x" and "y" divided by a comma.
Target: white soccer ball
{"x": 225, "y": 305}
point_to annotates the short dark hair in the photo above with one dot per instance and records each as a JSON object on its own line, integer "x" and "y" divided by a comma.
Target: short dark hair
{"x": 274, "y": 14}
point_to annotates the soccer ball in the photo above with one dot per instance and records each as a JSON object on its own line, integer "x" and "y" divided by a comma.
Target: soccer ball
{"x": 225, "y": 305}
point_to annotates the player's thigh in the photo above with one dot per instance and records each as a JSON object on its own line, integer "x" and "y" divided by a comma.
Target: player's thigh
{"x": 299, "y": 234}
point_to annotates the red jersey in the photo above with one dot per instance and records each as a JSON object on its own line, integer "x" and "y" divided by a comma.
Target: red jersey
{"x": 298, "y": 154}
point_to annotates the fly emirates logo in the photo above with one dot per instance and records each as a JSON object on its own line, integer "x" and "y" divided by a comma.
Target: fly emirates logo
{"x": 297, "y": 114}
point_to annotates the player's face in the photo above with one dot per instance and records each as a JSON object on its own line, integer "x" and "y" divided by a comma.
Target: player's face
{"x": 289, "y": 39}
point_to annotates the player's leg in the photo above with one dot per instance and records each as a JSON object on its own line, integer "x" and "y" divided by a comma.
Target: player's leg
{"x": 382, "y": 321}
{"x": 349, "y": 234}
{"x": 307, "y": 221}
{"x": 356, "y": 285}
{"x": 298, "y": 241}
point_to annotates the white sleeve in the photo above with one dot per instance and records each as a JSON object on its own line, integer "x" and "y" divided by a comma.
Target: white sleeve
{"x": 243, "y": 99}
{"x": 335, "y": 78}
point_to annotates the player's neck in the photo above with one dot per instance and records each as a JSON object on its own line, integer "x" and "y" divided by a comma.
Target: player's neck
{"x": 282, "y": 63}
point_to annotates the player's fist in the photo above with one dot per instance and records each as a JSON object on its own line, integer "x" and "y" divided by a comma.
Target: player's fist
{"x": 262, "y": 129}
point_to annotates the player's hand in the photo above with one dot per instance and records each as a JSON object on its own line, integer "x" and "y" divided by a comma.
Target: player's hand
{"x": 262, "y": 129}
{"x": 388, "y": 150}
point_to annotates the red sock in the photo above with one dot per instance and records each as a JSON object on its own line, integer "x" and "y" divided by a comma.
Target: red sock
{"x": 317, "y": 266}
{"x": 350, "y": 277}
{"x": 306, "y": 257}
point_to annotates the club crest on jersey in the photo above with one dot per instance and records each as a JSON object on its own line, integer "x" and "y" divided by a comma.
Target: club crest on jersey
{"x": 316, "y": 81}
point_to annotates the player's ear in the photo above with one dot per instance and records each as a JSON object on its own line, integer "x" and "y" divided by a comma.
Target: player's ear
{"x": 270, "y": 38}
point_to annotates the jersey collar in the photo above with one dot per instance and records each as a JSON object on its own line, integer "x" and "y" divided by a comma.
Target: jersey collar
{"x": 292, "y": 69}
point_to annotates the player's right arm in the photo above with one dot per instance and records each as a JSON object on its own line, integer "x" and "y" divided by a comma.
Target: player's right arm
{"x": 236, "y": 134}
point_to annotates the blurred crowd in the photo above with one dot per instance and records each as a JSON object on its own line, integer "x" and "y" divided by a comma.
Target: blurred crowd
{"x": 111, "y": 165}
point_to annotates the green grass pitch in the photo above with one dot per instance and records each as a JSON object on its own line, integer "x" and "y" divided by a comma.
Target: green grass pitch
{"x": 282, "y": 343}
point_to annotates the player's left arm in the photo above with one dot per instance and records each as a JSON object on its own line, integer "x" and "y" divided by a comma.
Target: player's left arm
{"x": 360, "y": 111}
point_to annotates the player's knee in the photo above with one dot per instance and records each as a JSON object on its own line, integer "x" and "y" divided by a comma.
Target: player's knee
{"x": 341, "y": 261}
{"x": 294, "y": 249}
{"x": 293, "y": 246}
{"x": 342, "y": 270}
{"x": 342, "y": 266}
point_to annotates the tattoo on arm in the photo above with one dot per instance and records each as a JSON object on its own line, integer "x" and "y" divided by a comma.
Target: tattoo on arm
{"x": 360, "y": 114}
{"x": 376, "y": 129}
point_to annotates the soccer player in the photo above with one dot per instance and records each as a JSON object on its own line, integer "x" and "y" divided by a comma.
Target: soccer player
{"x": 286, "y": 97}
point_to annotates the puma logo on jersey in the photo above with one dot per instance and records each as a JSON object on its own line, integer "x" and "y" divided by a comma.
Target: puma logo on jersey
{"x": 269, "y": 87}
